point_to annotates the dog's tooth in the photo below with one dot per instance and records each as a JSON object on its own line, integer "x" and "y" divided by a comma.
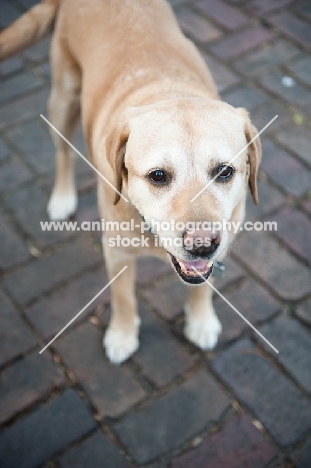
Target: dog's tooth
{"x": 183, "y": 267}
{"x": 209, "y": 264}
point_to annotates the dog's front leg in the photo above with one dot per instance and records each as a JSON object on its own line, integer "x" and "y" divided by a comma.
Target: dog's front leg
{"x": 202, "y": 326}
{"x": 121, "y": 337}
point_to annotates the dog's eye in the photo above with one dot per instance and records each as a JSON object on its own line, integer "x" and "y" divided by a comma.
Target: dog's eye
{"x": 158, "y": 176}
{"x": 225, "y": 172}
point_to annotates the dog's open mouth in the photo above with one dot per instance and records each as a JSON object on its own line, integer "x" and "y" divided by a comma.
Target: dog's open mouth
{"x": 193, "y": 272}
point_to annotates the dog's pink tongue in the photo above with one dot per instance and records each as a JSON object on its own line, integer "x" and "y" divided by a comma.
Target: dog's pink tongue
{"x": 199, "y": 265}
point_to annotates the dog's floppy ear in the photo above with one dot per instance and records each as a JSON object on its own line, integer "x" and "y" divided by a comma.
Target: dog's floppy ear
{"x": 116, "y": 144}
{"x": 115, "y": 151}
{"x": 254, "y": 153}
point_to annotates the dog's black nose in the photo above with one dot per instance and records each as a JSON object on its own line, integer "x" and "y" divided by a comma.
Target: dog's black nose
{"x": 201, "y": 243}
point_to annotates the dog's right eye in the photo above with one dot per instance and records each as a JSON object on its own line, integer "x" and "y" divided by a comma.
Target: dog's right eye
{"x": 158, "y": 176}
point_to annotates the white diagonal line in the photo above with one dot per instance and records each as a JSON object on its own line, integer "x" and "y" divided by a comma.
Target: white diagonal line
{"x": 82, "y": 310}
{"x": 236, "y": 310}
{"x": 240, "y": 152}
{"x": 83, "y": 157}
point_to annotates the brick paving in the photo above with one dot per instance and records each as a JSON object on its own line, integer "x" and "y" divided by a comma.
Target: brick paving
{"x": 170, "y": 405}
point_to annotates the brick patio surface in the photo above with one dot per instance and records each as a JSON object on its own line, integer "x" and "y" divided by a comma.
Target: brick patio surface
{"x": 170, "y": 405}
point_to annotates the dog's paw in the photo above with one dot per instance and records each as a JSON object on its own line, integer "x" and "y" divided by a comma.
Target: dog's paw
{"x": 60, "y": 207}
{"x": 119, "y": 346}
{"x": 203, "y": 332}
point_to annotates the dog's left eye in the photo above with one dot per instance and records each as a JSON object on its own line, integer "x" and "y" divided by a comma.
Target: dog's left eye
{"x": 225, "y": 172}
{"x": 158, "y": 176}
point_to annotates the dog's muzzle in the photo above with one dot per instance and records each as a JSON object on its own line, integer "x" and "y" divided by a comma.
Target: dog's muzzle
{"x": 193, "y": 272}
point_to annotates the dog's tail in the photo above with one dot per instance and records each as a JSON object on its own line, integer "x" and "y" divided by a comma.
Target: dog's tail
{"x": 28, "y": 29}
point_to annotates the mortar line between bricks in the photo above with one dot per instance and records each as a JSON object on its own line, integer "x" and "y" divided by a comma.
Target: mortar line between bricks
{"x": 265, "y": 285}
{"x": 236, "y": 310}
{"x": 279, "y": 365}
{"x": 85, "y": 307}
{"x": 234, "y": 396}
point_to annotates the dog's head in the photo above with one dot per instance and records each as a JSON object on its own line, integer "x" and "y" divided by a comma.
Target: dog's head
{"x": 166, "y": 153}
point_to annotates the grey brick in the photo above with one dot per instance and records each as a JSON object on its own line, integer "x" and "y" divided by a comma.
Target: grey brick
{"x": 24, "y": 108}
{"x": 112, "y": 389}
{"x": 19, "y": 84}
{"x": 273, "y": 398}
{"x": 46, "y": 272}
{"x": 173, "y": 418}
{"x": 34, "y": 142}
{"x": 97, "y": 450}
{"x": 28, "y": 206}
{"x": 45, "y": 432}
{"x": 15, "y": 335}
{"x": 274, "y": 265}
{"x": 155, "y": 347}
{"x": 12, "y": 249}
{"x": 294, "y": 343}
{"x": 26, "y": 381}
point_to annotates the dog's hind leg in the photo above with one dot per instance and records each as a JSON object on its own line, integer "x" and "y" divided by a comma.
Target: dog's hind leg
{"x": 64, "y": 114}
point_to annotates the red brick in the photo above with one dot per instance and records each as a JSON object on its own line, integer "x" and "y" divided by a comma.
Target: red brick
{"x": 293, "y": 27}
{"x": 237, "y": 43}
{"x": 174, "y": 417}
{"x": 112, "y": 389}
{"x": 167, "y": 297}
{"x": 222, "y": 13}
{"x": 274, "y": 400}
{"x": 294, "y": 229}
{"x": 26, "y": 381}
{"x": 156, "y": 344}
{"x": 15, "y": 336}
{"x": 237, "y": 445}
{"x": 51, "y": 314}
{"x": 261, "y": 7}
{"x": 197, "y": 27}
{"x": 267, "y": 259}
{"x": 284, "y": 170}
{"x": 223, "y": 76}
{"x": 252, "y": 301}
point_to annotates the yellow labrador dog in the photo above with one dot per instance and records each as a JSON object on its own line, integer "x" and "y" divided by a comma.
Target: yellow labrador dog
{"x": 158, "y": 132}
